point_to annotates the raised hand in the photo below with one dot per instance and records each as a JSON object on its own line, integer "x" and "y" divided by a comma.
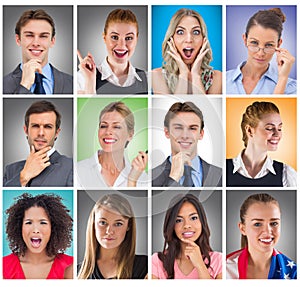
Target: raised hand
{"x": 196, "y": 67}
{"x": 183, "y": 68}
{"x": 28, "y": 72}
{"x": 285, "y": 62}
{"x": 88, "y": 67}
{"x": 177, "y": 166}
{"x": 138, "y": 165}
{"x": 35, "y": 163}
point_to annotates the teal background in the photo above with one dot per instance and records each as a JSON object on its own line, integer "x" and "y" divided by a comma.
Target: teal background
{"x": 9, "y": 198}
{"x": 212, "y": 15}
{"x": 88, "y": 111}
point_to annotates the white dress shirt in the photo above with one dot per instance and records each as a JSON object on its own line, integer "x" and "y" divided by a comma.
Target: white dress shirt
{"x": 289, "y": 175}
{"x": 89, "y": 174}
{"x": 108, "y": 74}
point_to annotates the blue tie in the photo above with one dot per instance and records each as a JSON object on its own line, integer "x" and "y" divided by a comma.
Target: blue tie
{"x": 39, "y": 89}
{"x": 188, "y": 181}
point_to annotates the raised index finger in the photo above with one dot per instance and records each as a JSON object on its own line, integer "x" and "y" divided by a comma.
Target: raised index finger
{"x": 79, "y": 56}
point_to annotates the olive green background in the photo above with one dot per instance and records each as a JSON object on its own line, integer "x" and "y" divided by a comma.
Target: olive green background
{"x": 88, "y": 110}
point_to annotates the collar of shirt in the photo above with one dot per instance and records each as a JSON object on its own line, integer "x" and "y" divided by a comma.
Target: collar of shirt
{"x": 108, "y": 74}
{"x": 238, "y": 166}
{"x": 123, "y": 176}
{"x": 197, "y": 171}
{"x": 48, "y": 80}
{"x": 271, "y": 73}
{"x": 51, "y": 151}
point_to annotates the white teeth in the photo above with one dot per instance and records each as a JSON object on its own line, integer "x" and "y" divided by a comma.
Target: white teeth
{"x": 266, "y": 240}
{"x": 109, "y": 140}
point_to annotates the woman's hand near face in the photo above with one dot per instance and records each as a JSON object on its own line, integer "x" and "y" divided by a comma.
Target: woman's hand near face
{"x": 285, "y": 62}
{"x": 198, "y": 87}
{"x": 192, "y": 252}
{"x": 88, "y": 67}
{"x": 138, "y": 165}
{"x": 183, "y": 68}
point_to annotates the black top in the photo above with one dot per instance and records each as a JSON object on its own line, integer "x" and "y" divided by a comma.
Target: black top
{"x": 138, "y": 87}
{"x": 270, "y": 179}
{"x": 140, "y": 269}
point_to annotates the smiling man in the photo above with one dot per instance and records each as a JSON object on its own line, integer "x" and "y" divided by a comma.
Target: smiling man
{"x": 184, "y": 126}
{"x": 44, "y": 166}
{"x": 35, "y": 35}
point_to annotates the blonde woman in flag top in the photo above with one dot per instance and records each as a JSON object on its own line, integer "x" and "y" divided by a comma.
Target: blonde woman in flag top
{"x": 260, "y": 222}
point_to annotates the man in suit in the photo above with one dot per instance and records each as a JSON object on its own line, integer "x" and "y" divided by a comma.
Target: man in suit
{"x": 183, "y": 125}
{"x": 35, "y": 34}
{"x": 44, "y": 166}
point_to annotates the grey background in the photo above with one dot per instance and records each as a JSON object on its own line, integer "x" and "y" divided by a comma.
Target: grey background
{"x": 138, "y": 200}
{"x": 91, "y": 20}
{"x": 60, "y": 55}
{"x": 210, "y": 148}
{"x": 15, "y": 145}
{"x": 287, "y": 202}
{"x": 212, "y": 204}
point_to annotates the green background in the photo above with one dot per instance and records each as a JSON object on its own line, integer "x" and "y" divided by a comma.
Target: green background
{"x": 88, "y": 110}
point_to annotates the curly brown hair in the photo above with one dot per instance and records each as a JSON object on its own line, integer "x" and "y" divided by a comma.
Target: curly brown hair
{"x": 61, "y": 222}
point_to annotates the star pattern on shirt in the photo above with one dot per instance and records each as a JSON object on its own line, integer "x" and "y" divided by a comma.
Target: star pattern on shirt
{"x": 291, "y": 264}
{"x": 287, "y": 276}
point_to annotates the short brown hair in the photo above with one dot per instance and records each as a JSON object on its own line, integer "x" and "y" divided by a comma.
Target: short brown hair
{"x": 42, "y": 107}
{"x": 186, "y": 107}
{"x": 38, "y": 14}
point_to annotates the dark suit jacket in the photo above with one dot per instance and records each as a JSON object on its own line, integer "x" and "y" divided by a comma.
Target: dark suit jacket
{"x": 63, "y": 83}
{"x": 58, "y": 173}
{"x": 212, "y": 175}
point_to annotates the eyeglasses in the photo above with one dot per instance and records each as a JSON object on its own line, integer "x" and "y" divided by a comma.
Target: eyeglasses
{"x": 267, "y": 50}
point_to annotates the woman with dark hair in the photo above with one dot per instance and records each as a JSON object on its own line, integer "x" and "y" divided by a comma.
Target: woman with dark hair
{"x": 260, "y": 221}
{"x": 111, "y": 241}
{"x": 262, "y": 131}
{"x": 39, "y": 230}
{"x": 186, "y": 253}
{"x": 263, "y": 39}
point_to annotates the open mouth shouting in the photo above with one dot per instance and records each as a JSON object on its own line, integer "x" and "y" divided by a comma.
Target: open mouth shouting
{"x": 120, "y": 53}
{"x": 36, "y": 242}
{"x": 188, "y": 52}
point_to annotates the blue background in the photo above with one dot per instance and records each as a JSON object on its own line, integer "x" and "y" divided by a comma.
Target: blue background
{"x": 9, "y": 198}
{"x": 236, "y": 21}
{"x": 212, "y": 15}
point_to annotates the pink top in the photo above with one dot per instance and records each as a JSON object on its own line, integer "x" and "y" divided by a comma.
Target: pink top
{"x": 214, "y": 269}
{"x": 12, "y": 268}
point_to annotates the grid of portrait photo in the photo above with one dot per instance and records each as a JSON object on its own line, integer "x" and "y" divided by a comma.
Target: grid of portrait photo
{"x": 149, "y": 140}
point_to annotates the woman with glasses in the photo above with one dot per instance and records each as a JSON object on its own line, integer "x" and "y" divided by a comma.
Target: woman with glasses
{"x": 255, "y": 75}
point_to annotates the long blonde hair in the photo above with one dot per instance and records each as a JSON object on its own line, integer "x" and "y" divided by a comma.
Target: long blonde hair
{"x": 169, "y": 64}
{"x": 126, "y": 250}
